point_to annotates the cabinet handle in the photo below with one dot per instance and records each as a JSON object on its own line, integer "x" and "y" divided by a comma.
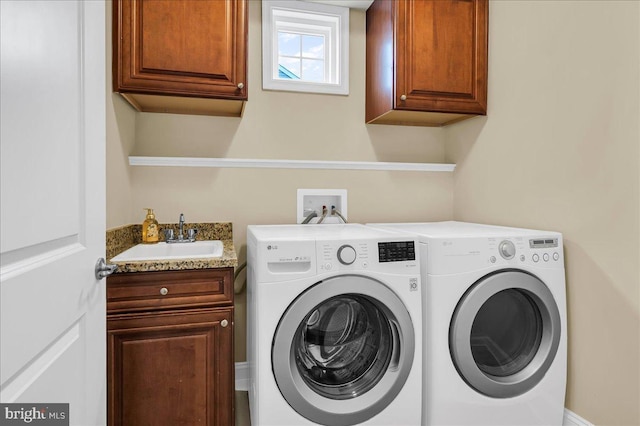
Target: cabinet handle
{"x": 164, "y": 291}
{"x": 403, "y": 97}
{"x": 240, "y": 86}
{"x": 224, "y": 323}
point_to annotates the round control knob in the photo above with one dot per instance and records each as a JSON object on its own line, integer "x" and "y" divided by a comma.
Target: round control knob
{"x": 536, "y": 258}
{"x": 346, "y": 255}
{"x": 507, "y": 249}
{"x": 545, "y": 257}
{"x": 556, "y": 256}
{"x": 164, "y": 291}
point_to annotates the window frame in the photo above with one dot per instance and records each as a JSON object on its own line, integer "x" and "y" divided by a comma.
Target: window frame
{"x": 306, "y": 18}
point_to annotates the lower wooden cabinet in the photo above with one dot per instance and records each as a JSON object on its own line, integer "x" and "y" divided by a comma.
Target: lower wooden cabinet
{"x": 170, "y": 366}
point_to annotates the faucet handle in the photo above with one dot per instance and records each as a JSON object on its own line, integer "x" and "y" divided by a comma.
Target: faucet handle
{"x": 168, "y": 235}
{"x": 191, "y": 233}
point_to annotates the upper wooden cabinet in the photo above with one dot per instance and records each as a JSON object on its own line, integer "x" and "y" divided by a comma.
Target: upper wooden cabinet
{"x": 426, "y": 61}
{"x": 181, "y": 56}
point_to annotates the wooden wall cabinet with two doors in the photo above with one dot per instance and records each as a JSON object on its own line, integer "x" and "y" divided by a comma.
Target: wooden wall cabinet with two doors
{"x": 426, "y": 61}
{"x": 170, "y": 348}
{"x": 181, "y": 56}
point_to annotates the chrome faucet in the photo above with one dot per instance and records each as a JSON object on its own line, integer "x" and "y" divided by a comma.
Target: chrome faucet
{"x": 190, "y": 237}
{"x": 181, "y": 227}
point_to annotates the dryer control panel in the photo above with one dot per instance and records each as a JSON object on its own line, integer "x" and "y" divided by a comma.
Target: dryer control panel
{"x": 543, "y": 243}
{"x": 453, "y": 255}
{"x": 522, "y": 251}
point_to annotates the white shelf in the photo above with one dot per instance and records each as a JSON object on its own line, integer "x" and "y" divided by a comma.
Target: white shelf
{"x": 287, "y": 164}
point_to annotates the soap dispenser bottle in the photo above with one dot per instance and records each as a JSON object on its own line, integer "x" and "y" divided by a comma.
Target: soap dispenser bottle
{"x": 150, "y": 229}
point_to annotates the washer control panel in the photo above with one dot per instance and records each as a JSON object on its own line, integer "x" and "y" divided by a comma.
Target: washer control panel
{"x": 396, "y": 251}
{"x": 389, "y": 256}
{"x": 346, "y": 249}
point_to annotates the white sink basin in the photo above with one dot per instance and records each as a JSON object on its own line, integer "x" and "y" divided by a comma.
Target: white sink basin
{"x": 164, "y": 251}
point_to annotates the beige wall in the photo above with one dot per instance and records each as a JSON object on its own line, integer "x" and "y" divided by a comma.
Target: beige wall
{"x": 559, "y": 150}
{"x": 275, "y": 125}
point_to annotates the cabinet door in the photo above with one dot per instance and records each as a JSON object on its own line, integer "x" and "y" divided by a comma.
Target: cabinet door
{"x": 171, "y": 368}
{"x": 191, "y": 48}
{"x": 441, "y": 56}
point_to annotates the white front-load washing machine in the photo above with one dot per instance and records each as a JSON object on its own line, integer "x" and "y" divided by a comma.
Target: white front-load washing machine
{"x": 334, "y": 326}
{"x": 495, "y": 330}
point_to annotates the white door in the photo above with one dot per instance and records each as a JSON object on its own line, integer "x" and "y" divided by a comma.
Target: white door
{"x": 52, "y": 308}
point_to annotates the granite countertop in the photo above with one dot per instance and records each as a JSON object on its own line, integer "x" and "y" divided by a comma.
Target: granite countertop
{"x": 125, "y": 237}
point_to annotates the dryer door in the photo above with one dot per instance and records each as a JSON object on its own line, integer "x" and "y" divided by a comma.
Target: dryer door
{"x": 343, "y": 350}
{"x": 504, "y": 333}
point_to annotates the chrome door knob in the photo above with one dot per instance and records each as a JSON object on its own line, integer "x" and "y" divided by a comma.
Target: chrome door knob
{"x": 403, "y": 97}
{"x": 164, "y": 291}
{"x": 224, "y": 323}
{"x": 240, "y": 86}
{"x": 103, "y": 270}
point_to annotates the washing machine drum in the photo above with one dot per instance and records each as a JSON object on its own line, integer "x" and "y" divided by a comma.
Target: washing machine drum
{"x": 504, "y": 333}
{"x": 343, "y": 350}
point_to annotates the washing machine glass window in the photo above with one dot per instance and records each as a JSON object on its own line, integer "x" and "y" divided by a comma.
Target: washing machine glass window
{"x": 504, "y": 333}
{"x": 343, "y": 350}
{"x": 343, "y": 346}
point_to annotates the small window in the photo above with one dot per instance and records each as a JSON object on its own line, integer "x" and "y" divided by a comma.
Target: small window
{"x": 305, "y": 47}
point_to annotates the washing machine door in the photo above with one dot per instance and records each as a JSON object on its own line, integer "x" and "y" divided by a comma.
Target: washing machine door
{"x": 343, "y": 350}
{"x": 505, "y": 333}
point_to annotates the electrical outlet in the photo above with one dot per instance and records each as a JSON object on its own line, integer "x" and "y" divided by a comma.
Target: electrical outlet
{"x": 312, "y": 200}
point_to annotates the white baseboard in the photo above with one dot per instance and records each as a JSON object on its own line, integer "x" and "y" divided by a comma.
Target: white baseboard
{"x": 242, "y": 384}
{"x": 572, "y": 419}
{"x": 242, "y": 376}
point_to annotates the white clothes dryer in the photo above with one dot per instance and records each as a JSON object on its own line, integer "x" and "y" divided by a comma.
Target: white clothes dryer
{"x": 495, "y": 330}
{"x": 334, "y": 326}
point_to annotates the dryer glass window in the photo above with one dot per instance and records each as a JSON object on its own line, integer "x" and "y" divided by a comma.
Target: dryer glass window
{"x": 343, "y": 347}
{"x": 506, "y": 333}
